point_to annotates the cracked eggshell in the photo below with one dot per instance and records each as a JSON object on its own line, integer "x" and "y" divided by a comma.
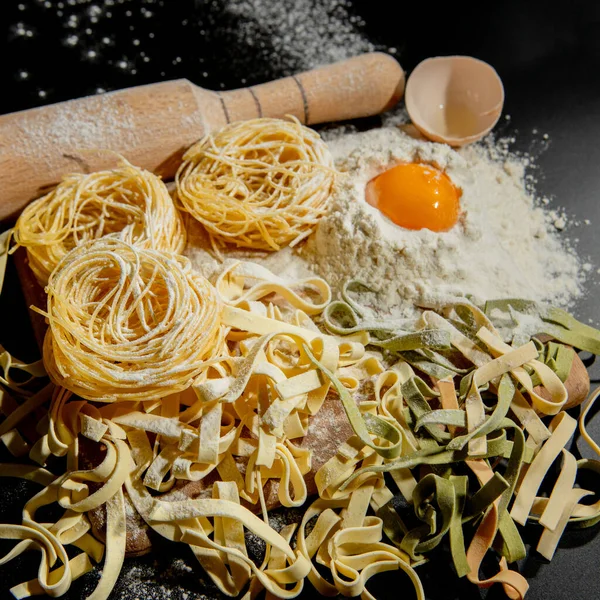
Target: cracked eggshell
{"x": 454, "y": 99}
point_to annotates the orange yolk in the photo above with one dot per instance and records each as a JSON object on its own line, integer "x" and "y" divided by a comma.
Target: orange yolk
{"x": 416, "y": 196}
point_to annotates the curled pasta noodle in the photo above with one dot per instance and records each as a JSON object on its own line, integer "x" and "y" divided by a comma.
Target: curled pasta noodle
{"x": 254, "y": 430}
{"x": 244, "y": 282}
{"x": 259, "y": 184}
{"x": 128, "y": 202}
{"x": 127, "y": 323}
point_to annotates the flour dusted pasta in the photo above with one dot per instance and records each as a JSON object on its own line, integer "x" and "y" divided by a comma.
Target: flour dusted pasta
{"x": 127, "y": 202}
{"x": 128, "y": 323}
{"x": 260, "y": 184}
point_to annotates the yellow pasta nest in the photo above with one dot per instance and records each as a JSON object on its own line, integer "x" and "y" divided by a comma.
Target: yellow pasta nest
{"x": 127, "y": 201}
{"x": 128, "y": 323}
{"x": 260, "y": 184}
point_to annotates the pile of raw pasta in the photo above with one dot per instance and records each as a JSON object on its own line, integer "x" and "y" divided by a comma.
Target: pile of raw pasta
{"x": 449, "y": 425}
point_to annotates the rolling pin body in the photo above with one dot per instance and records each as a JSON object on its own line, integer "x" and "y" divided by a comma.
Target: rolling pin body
{"x": 152, "y": 125}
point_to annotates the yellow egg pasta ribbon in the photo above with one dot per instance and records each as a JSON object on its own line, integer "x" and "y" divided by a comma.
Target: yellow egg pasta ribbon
{"x": 244, "y": 282}
{"x": 591, "y": 401}
{"x": 71, "y": 492}
{"x": 179, "y": 521}
{"x": 5, "y": 238}
{"x": 562, "y": 428}
{"x": 350, "y": 543}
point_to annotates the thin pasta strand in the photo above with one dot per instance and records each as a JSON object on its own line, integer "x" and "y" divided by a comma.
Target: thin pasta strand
{"x": 260, "y": 184}
{"x": 126, "y": 202}
{"x": 127, "y": 323}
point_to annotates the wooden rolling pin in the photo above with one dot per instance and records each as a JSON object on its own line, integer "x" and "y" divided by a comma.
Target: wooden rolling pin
{"x": 152, "y": 125}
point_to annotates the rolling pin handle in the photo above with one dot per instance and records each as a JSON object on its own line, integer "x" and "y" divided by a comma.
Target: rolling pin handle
{"x": 358, "y": 87}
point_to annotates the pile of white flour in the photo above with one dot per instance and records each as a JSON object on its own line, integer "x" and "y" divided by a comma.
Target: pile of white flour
{"x": 503, "y": 245}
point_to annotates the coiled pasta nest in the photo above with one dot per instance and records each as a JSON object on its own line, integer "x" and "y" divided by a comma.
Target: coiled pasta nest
{"x": 128, "y": 323}
{"x": 260, "y": 184}
{"x": 126, "y": 202}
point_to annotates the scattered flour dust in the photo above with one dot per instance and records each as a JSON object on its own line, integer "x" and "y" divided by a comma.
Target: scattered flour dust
{"x": 504, "y": 244}
{"x": 295, "y": 35}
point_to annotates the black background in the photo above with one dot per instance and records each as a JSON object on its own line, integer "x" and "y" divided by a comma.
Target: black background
{"x": 549, "y": 59}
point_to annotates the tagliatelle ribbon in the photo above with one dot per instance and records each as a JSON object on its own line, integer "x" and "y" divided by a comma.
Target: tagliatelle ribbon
{"x": 583, "y": 417}
{"x": 582, "y": 515}
{"x": 350, "y": 544}
{"x": 474, "y": 405}
{"x": 231, "y": 285}
{"x": 271, "y": 579}
{"x": 461, "y": 342}
{"x": 515, "y": 585}
{"x": 115, "y": 546}
{"x": 428, "y": 399}
{"x": 548, "y": 378}
{"x": 49, "y": 540}
{"x": 241, "y": 319}
{"x": 26, "y": 408}
{"x": 364, "y": 425}
{"x": 5, "y": 237}
{"x": 562, "y": 428}
{"x": 554, "y": 321}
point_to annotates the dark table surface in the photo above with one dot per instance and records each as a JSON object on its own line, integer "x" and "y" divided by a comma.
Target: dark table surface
{"x": 547, "y": 55}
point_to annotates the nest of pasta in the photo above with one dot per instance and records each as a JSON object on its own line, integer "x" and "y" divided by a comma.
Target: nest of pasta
{"x": 259, "y": 184}
{"x": 128, "y": 323}
{"x": 128, "y": 202}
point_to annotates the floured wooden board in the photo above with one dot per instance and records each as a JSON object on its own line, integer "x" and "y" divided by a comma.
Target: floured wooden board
{"x": 33, "y": 293}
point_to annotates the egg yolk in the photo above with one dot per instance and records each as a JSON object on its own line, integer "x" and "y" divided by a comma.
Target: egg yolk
{"x": 416, "y": 196}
